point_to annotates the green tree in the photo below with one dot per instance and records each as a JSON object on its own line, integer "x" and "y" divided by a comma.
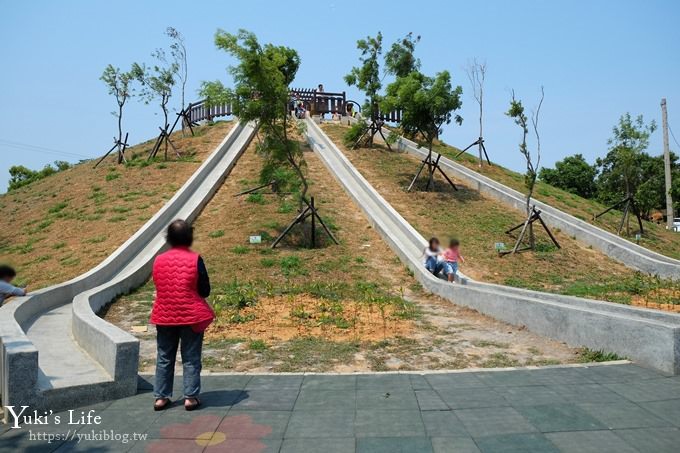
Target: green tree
{"x": 622, "y": 170}
{"x": 400, "y": 60}
{"x": 262, "y": 79}
{"x": 366, "y": 78}
{"x": 572, "y": 174}
{"x": 427, "y": 103}
{"x": 157, "y": 82}
{"x": 120, "y": 85}
{"x": 518, "y": 114}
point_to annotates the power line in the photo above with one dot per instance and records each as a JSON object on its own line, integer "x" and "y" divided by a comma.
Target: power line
{"x": 673, "y": 135}
{"x": 40, "y": 149}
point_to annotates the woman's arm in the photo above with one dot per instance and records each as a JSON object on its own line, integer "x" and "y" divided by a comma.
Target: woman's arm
{"x": 203, "y": 279}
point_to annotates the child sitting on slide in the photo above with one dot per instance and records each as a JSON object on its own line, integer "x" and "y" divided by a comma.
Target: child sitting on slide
{"x": 451, "y": 258}
{"x": 432, "y": 254}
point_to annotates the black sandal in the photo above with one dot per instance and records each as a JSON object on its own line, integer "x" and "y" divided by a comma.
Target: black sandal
{"x": 161, "y": 407}
{"x": 191, "y": 407}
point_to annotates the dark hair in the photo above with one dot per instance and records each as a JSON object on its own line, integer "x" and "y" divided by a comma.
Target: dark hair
{"x": 7, "y": 271}
{"x": 454, "y": 243}
{"x": 180, "y": 234}
{"x": 432, "y": 240}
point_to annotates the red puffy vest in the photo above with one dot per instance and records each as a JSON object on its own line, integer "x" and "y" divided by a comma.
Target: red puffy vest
{"x": 175, "y": 274}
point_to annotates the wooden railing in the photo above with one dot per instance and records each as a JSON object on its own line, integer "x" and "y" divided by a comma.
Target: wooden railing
{"x": 318, "y": 102}
{"x": 199, "y": 111}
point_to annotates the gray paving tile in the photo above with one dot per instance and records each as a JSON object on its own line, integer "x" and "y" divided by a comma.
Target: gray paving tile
{"x": 454, "y": 381}
{"x": 560, "y": 417}
{"x": 669, "y": 410}
{"x": 587, "y": 393}
{"x": 384, "y": 382}
{"x": 220, "y": 399}
{"x": 274, "y": 382}
{"x": 394, "y": 445}
{"x": 326, "y": 400}
{"x": 530, "y": 395}
{"x": 232, "y": 382}
{"x": 621, "y": 373}
{"x": 329, "y": 382}
{"x": 647, "y": 390}
{"x": 509, "y": 378}
{"x": 454, "y": 445}
{"x": 268, "y": 400}
{"x": 99, "y": 446}
{"x": 624, "y": 415}
{"x": 589, "y": 442}
{"x": 374, "y": 423}
{"x": 429, "y": 400}
{"x": 472, "y": 397}
{"x": 561, "y": 376}
{"x": 657, "y": 440}
{"x": 399, "y": 399}
{"x": 167, "y": 446}
{"x": 494, "y": 421}
{"x": 245, "y": 445}
{"x": 178, "y": 425}
{"x": 141, "y": 401}
{"x": 317, "y": 424}
{"x": 419, "y": 382}
{"x": 137, "y": 421}
{"x": 516, "y": 443}
{"x": 254, "y": 424}
{"x": 344, "y": 445}
{"x": 443, "y": 424}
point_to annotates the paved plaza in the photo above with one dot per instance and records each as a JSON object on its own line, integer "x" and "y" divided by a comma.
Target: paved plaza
{"x": 606, "y": 408}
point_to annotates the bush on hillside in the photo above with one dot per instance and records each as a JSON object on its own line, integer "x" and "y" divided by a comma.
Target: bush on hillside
{"x": 22, "y": 176}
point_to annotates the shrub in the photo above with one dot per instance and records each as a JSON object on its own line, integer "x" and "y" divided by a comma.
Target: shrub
{"x": 21, "y": 176}
{"x": 355, "y": 132}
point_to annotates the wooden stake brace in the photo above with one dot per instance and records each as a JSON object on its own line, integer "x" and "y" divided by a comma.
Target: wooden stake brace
{"x": 367, "y": 137}
{"x": 432, "y": 166}
{"x": 480, "y": 142}
{"x": 527, "y": 225}
{"x": 121, "y": 150}
{"x": 309, "y": 211}
{"x": 163, "y": 137}
{"x": 271, "y": 184}
{"x": 629, "y": 205}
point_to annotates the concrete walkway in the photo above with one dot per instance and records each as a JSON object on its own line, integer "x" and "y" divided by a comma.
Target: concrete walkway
{"x": 604, "y": 408}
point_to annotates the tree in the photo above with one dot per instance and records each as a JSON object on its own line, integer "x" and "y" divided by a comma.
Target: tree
{"x": 120, "y": 86}
{"x": 621, "y": 170}
{"x": 517, "y": 113}
{"x": 428, "y": 103}
{"x": 367, "y": 79}
{"x": 178, "y": 51}
{"x": 476, "y": 72}
{"x": 572, "y": 174}
{"x": 400, "y": 60}
{"x": 157, "y": 82}
{"x": 262, "y": 79}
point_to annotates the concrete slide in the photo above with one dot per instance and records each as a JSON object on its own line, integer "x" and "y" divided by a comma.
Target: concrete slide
{"x": 628, "y": 253}
{"x": 55, "y": 352}
{"x": 649, "y": 337}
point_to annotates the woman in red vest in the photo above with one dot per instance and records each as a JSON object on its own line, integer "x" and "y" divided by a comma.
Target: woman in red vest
{"x": 181, "y": 314}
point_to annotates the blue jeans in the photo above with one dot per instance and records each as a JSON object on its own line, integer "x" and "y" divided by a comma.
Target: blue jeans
{"x": 432, "y": 265}
{"x": 450, "y": 268}
{"x": 168, "y": 338}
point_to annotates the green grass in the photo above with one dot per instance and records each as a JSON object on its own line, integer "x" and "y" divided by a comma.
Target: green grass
{"x": 216, "y": 234}
{"x": 587, "y": 355}
{"x": 240, "y": 250}
{"x": 292, "y": 266}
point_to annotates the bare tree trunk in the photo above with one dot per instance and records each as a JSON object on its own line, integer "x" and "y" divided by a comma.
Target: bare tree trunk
{"x": 120, "y": 132}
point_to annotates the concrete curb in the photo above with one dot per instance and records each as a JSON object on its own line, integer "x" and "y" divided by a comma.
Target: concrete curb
{"x": 116, "y": 351}
{"x": 649, "y": 337}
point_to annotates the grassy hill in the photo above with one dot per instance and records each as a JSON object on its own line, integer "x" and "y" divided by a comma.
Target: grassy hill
{"x": 58, "y": 227}
{"x": 480, "y": 222}
{"x": 656, "y": 237}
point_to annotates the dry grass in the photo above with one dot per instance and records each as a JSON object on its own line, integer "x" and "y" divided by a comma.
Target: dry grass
{"x": 480, "y": 222}
{"x": 54, "y": 229}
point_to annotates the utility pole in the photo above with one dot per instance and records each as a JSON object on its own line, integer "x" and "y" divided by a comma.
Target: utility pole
{"x": 667, "y": 165}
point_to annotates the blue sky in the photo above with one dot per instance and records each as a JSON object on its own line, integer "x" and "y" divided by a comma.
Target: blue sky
{"x": 596, "y": 60}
